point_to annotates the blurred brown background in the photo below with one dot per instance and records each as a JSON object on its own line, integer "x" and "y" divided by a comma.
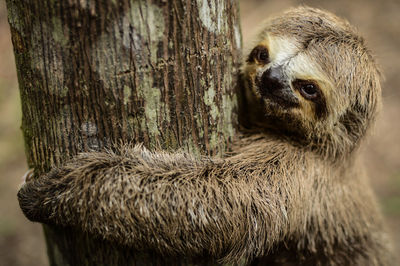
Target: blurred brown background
{"x": 22, "y": 242}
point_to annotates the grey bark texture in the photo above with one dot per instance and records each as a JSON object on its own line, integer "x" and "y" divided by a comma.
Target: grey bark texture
{"x": 95, "y": 73}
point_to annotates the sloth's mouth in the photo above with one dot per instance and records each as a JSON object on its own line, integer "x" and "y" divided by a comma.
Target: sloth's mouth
{"x": 282, "y": 97}
{"x": 282, "y": 101}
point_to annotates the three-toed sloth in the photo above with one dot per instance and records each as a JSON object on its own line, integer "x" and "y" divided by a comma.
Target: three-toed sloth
{"x": 293, "y": 190}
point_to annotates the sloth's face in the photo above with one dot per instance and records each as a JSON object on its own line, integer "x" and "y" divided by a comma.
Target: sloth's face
{"x": 284, "y": 76}
{"x": 311, "y": 76}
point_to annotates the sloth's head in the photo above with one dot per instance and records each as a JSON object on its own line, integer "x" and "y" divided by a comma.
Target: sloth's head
{"x": 312, "y": 77}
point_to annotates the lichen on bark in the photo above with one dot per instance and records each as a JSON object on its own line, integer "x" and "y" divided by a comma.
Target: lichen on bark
{"x": 94, "y": 73}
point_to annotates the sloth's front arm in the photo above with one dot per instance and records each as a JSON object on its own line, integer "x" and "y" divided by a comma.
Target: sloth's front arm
{"x": 168, "y": 202}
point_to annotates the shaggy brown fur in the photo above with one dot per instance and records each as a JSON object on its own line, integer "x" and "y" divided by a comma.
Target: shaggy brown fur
{"x": 291, "y": 193}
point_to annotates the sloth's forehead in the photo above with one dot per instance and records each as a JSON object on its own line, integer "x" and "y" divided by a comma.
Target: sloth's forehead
{"x": 281, "y": 48}
{"x": 297, "y": 61}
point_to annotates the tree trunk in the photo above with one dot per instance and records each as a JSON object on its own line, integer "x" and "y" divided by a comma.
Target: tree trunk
{"x": 94, "y": 73}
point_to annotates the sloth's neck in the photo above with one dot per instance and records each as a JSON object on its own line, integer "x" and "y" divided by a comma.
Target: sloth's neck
{"x": 338, "y": 145}
{"x": 336, "y": 148}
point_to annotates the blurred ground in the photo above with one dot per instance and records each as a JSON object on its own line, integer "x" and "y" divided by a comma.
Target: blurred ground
{"x": 22, "y": 243}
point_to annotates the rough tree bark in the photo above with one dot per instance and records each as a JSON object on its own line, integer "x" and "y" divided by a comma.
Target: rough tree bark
{"x": 93, "y": 73}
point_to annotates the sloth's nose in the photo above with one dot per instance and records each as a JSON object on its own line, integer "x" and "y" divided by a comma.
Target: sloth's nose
{"x": 274, "y": 85}
{"x": 271, "y": 81}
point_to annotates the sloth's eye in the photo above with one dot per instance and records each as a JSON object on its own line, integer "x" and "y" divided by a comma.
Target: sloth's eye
{"x": 307, "y": 89}
{"x": 262, "y": 55}
{"x": 259, "y": 53}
